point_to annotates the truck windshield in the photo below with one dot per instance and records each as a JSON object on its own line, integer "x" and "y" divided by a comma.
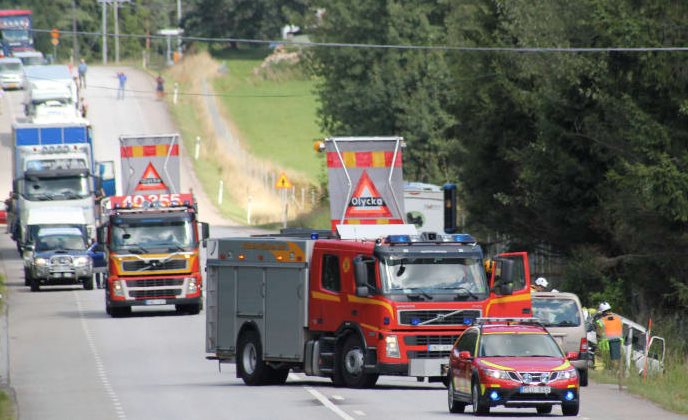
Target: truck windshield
{"x": 15, "y": 35}
{"x": 57, "y": 188}
{"x": 141, "y": 235}
{"x": 61, "y": 242}
{"x": 432, "y": 275}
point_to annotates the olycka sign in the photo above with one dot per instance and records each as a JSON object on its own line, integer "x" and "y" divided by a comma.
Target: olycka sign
{"x": 365, "y": 180}
{"x": 150, "y": 164}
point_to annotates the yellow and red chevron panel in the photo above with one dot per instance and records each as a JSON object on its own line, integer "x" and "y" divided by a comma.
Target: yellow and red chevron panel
{"x": 379, "y": 159}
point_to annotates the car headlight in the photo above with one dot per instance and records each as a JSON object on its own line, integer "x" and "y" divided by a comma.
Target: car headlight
{"x": 191, "y": 285}
{"x": 81, "y": 261}
{"x": 567, "y": 374}
{"x": 392, "y": 346}
{"x": 40, "y": 261}
{"x": 496, "y": 374}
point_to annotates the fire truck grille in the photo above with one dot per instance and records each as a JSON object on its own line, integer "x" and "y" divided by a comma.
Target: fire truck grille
{"x": 154, "y": 265}
{"x": 424, "y": 340}
{"x": 439, "y": 316}
{"x": 155, "y": 282}
{"x": 436, "y": 346}
{"x": 147, "y": 294}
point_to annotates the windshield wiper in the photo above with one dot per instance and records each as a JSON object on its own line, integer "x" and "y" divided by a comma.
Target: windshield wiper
{"x": 421, "y": 292}
{"x": 458, "y": 295}
{"x": 140, "y": 249}
{"x": 45, "y": 197}
{"x": 176, "y": 247}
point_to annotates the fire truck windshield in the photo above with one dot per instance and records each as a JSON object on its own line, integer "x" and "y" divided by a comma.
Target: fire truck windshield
{"x": 57, "y": 188}
{"x": 462, "y": 276}
{"x": 142, "y": 234}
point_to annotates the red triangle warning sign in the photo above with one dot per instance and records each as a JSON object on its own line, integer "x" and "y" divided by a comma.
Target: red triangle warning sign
{"x": 366, "y": 201}
{"x": 150, "y": 180}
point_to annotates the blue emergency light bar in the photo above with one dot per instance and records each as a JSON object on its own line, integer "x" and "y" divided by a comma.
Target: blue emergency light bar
{"x": 463, "y": 238}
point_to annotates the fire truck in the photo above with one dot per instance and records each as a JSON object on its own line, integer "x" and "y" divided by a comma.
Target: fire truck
{"x": 152, "y": 245}
{"x": 352, "y": 305}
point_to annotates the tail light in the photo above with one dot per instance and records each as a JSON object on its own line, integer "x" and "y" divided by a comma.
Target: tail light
{"x": 583, "y": 346}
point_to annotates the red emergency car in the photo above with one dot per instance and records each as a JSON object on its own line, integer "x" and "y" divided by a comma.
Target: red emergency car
{"x": 512, "y": 362}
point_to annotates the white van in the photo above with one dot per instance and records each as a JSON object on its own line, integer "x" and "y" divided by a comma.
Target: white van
{"x": 11, "y": 73}
{"x": 30, "y": 58}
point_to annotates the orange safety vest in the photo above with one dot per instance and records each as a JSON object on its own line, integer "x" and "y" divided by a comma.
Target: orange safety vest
{"x": 612, "y": 327}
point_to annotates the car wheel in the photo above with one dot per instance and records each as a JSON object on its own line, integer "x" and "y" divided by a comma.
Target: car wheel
{"x": 570, "y": 409}
{"x": 27, "y": 277}
{"x": 352, "y": 365}
{"x": 35, "y": 284}
{"x": 583, "y": 377}
{"x": 454, "y": 406}
{"x": 544, "y": 409}
{"x": 479, "y": 408}
{"x": 250, "y": 359}
{"x": 88, "y": 283}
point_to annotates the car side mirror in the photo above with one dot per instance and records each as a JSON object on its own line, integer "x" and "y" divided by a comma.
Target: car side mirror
{"x": 465, "y": 355}
{"x": 572, "y": 355}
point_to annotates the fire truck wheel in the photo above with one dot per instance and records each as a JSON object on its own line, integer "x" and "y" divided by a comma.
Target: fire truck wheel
{"x": 278, "y": 376}
{"x": 250, "y": 360}
{"x": 193, "y": 309}
{"x": 120, "y": 312}
{"x": 88, "y": 283}
{"x": 352, "y": 364}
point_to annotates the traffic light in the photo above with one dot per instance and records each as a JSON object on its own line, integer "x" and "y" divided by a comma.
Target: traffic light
{"x": 449, "y": 208}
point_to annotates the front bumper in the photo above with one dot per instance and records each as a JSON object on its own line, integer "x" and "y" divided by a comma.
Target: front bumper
{"x": 155, "y": 302}
{"x": 154, "y": 290}
{"x": 62, "y": 274}
{"x": 513, "y": 397}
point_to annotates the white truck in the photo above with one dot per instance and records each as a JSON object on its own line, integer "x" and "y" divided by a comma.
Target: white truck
{"x": 52, "y": 167}
{"x": 51, "y": 95}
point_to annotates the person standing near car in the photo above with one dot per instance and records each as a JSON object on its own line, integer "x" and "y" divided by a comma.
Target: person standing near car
{"x": 609, "y": 331}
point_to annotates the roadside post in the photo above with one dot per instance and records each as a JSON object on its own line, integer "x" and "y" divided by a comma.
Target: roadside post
{"x": 284, "y": 185}
{"x": 198, "y": 147}
{"x": 176, "y": 90}
{"x": 219, "y": 193}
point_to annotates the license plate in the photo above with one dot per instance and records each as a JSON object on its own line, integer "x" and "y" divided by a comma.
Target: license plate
{"x": 439, "y": 347}
{"x": 156, "y": 302}
{"x": 535, "y": 390}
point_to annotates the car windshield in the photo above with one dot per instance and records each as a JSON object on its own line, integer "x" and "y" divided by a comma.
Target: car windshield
{"x": 10, "y": 67}
{"x": 32, "y": 60}
{"x": 141, "y": 235}
{"x": 432, "y": 274}
{"x": 57, "y": 188}
{"x": 556, "y": 312}
{"x": 61, "y": 242}
{"x": 518, "y": 345}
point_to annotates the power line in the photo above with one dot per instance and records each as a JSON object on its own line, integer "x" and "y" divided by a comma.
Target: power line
{"x": 389, "y": 46}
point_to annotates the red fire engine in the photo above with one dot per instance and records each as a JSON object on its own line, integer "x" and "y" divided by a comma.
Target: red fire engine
{"x": 152, "y": 243}
{"x": 352, "y": 305}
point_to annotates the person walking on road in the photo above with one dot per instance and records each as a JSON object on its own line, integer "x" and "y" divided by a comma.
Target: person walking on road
{"x": 160, "y": 87}
{"x": 82, "y": 73}
{"x": 609, "y": 331}
{"x": 122, "y": 82}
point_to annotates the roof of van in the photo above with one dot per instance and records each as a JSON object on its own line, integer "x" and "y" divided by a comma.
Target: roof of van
{"x": 55, "y": 215}
{"x": 52, "y": 72}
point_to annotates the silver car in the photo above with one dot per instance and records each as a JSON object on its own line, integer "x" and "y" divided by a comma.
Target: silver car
{"x": 562, "y": 315}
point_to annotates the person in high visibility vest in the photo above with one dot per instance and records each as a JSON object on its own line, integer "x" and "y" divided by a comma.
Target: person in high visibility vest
{"x": 609, "y": 333}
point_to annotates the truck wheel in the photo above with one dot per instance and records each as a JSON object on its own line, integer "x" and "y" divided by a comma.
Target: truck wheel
{"x": 27, "y": 277}
{"x": 120, "y": 312}
{"x": 583, "y": 377}
{"x": 193, "y": 309}
{"x": 278, "y": 376}
{"x": 88, "y": 283}
{"x": 352, "y": 364}
{"x": 250, "y": 363}
{"x": 35, "y": 285}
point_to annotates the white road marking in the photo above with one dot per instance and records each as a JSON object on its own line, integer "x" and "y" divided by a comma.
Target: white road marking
{"x": 96, "y": 357}
{"x": 338, "y": 397}
{"x": 327, "y": 403}
{"x": 359, "y": 413}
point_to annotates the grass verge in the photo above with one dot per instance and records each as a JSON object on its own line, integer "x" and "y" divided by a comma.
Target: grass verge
{"x": 669, "y": 390}
{"x": 6, "y": 403}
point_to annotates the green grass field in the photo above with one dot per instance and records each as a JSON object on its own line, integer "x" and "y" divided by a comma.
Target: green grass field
{"x": 277, "y": 119}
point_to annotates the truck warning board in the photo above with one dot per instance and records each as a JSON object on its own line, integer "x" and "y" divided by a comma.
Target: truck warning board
{"x": 150, "y": 164}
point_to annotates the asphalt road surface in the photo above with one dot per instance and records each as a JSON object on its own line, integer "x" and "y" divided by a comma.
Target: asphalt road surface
{"x": 66, "y": 359}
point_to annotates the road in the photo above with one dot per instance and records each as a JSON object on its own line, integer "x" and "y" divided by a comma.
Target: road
{"x": 66, "y": 359}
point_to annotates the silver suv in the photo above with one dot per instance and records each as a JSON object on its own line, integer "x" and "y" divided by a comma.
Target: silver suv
{"x": 562, "y": 315}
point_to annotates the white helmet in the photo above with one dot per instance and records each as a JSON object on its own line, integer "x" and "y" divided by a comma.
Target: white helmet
{"x": 604, "y": 306}
{"x": 541, "y": 281}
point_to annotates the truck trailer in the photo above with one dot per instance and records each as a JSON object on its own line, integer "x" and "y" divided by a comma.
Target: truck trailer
{"x": 352, "y": 306}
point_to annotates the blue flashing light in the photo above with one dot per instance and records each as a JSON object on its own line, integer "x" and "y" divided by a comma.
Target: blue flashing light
{"x": 314, "y": 235}
{"x": 467, "y": 321}
{"x": 494, "y": 395}
{"x": 569, "y": 395}
{"x": 186, "y": 202}
{"x": 398, "y": 239}
{"x": 463, "y": 237}
{"x": 415, "y": 321}
{"x": 386, "y": 320}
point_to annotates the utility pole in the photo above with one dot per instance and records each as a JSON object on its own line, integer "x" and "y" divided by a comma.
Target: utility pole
{"x": 104, "y": 32}
{"x": 179, "y": 25}
{"x": 116, "y": 3}
{"x": 74, "y": 37}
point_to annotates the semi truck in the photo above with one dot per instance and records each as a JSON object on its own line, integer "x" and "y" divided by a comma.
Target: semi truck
{"x": 352, "y": 306}
{"x": 52, "y": 167}
{"x": 151, "y": 233}
{"x": 15, "y": 31}
{"x": 152, "y": 243}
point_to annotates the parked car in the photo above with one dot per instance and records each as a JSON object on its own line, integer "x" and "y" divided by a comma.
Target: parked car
{"x": 512, "y": 362}
{"x": 562, "y": 315}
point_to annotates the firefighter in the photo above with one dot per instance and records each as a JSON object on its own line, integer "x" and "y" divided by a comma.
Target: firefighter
{"x": 609, "y": 331}
{"x": 540, "y": 285}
